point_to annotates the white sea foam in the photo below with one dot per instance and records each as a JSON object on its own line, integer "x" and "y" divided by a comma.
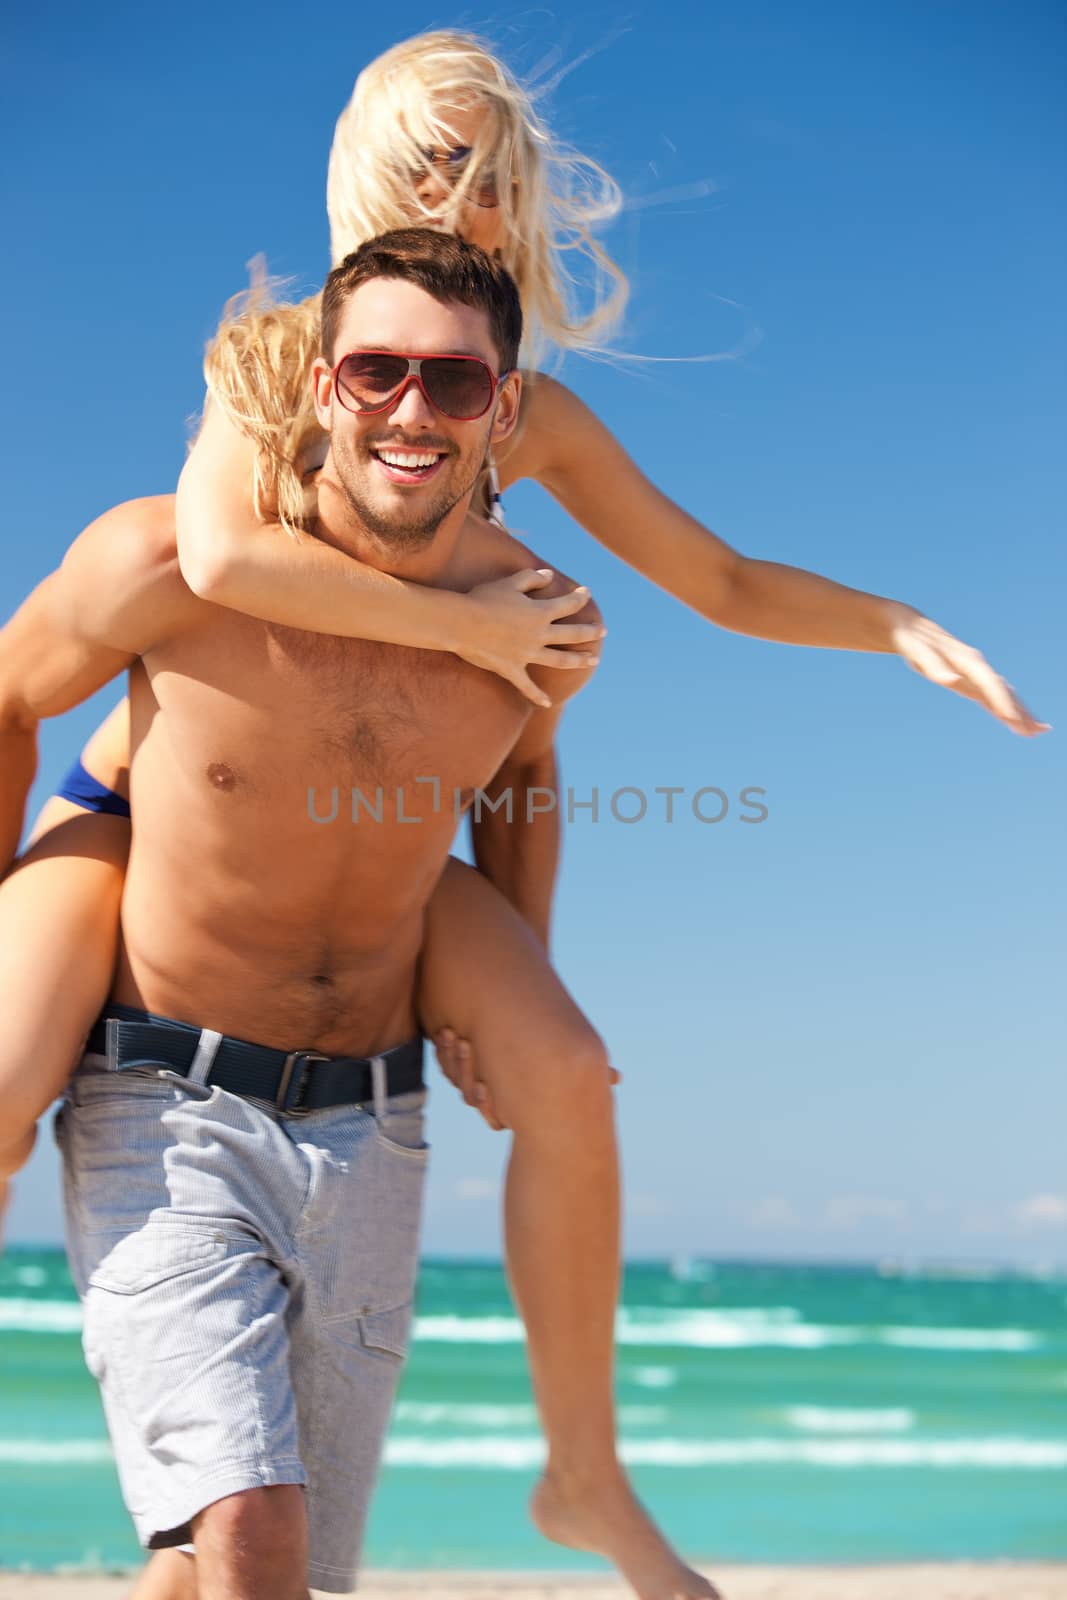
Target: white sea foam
{"x": 1005, "y": 1339}
{"x": 839, "y": 1419}
{"x": 526, "y": 1452}
{"x": 732, "y": 1329}
{"x": 445, "y": 1328}
{"x": 54, "y": 1452}
{"x": 30, "y": 1277}
{"x": 428, "y": 1412}
{"x": 657, "y": 1377}
{"x": 522, "y": 1454}
{"x": 736, "y": 1329}
{"x": 40, "y": 1316}
{"x": 474, "y": 1415}
{"x": 742, "y": 1328}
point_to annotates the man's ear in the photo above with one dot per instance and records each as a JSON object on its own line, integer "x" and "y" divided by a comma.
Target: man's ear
{"x": 322, "y": 389}
{"x": 508, "y": 400}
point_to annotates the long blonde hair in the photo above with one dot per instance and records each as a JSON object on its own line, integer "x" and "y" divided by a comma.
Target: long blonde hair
{"x": 551, "y": 198}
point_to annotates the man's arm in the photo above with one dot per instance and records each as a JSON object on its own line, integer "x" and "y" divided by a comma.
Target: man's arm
{"x": 117, "y": 592}
{"x": 517, "y": 846}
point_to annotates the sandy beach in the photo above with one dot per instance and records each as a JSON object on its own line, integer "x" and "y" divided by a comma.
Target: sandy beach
{"x": 1033, "y": 1580}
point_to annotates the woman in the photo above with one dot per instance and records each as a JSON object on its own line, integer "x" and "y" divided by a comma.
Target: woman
{"x": 437, "y": 130}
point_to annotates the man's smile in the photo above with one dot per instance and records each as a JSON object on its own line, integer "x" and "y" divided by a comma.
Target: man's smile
{"x": 403, "y": 464}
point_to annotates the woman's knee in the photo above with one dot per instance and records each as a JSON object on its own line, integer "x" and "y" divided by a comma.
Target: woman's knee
{"x": 563, "y": 1081}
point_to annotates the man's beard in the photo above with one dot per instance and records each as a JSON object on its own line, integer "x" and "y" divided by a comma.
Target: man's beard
{"x": 405, "y": 531}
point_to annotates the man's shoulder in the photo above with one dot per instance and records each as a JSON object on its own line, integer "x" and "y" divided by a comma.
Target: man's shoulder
{"x": 500, "y": 553}
{"x": 122, "y": 575}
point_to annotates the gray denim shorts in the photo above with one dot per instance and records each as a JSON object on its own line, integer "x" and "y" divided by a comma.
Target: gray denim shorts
{"x": 247, "y": 1282}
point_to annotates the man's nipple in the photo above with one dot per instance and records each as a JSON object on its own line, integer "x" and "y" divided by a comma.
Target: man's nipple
{"x": 220, "y": 776}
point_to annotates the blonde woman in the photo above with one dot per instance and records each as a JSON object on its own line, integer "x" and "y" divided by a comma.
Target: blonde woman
{"x": 438, "y": 130}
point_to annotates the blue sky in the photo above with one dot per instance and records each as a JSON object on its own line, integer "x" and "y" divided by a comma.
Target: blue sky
{"x": 841, "y": 1030}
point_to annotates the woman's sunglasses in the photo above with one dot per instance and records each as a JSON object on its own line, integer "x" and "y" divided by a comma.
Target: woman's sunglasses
{"x": 451, "y": 166}
{"x": 460, "y": 387}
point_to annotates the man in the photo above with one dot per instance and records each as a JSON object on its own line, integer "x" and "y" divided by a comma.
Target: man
{"x": 245, "y": 1357}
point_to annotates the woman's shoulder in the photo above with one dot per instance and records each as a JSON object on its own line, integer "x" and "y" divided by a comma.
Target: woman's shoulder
{"x": 549, "y": 414}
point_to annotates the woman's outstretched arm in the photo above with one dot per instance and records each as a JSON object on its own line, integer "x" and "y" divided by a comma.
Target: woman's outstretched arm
{"x": 230, "y": 557}
{"x": 579, "y": 461}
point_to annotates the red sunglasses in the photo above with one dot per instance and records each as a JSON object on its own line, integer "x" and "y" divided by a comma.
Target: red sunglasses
{"x": 460, "y": 387}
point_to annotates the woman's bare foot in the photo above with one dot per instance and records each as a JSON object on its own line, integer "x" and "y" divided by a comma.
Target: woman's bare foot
{"x": 605, "y": 1516}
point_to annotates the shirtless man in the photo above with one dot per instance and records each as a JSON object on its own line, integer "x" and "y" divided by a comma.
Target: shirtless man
{"x": 248, "y": 1273}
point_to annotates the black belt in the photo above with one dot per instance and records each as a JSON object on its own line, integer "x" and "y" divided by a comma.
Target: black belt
{"x": 295, "y": 1081}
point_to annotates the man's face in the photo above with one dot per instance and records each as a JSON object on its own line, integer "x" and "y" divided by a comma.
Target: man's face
{"x": 402, "y": 470}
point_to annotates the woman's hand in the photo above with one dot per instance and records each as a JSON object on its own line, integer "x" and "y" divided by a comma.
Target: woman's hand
{"x": 509, "y": 630}
{"x": 937, "y": 655}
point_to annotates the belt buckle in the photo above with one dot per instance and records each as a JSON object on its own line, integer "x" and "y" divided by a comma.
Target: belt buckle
{"x": 293, "y": 1081}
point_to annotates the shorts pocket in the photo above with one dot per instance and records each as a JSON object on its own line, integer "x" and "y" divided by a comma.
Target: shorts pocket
{"x": 361, "y": 1245}
{"x": 102, "y": 1092}
{"x": 137, "y": 1261}
{"x": 389, "y": 1331}
{"x": 401, "y": 1129}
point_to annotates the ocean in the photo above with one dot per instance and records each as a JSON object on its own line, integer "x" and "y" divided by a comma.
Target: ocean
{"x": 770, "y": 1413}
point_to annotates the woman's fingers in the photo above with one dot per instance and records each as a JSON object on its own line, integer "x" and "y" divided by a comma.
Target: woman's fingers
{"x": 553, "y": 606}
{"x": 946, "y": 660}
{"x": 564, "y": 605}
{"x": 530, "y": 578}
{"x": 526, "y": 686}
{"x": 575, "y": 633}
{"x": 562, "y": 659}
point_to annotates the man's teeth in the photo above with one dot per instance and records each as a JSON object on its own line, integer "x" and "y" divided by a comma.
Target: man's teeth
{"x": 407, "y": 460}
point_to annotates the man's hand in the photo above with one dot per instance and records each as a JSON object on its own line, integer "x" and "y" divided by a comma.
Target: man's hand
{"x": 958, "y": 666}
{"x": 456, "y": 1059}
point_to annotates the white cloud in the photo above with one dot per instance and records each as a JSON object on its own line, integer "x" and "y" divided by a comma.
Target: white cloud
{"x": 1042, "y": 1211}
{"x": 850, "y": 1210}
{"x": 773, "y": 1211}
{"x": 476, "y": 1188}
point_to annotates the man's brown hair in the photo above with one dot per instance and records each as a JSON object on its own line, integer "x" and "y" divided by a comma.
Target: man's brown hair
{"x": 447, "y": 267}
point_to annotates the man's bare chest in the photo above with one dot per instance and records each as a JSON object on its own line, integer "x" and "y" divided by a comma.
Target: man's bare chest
{"x": 265, "y": 710}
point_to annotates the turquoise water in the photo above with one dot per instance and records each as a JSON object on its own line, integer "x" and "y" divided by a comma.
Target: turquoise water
{"x": 769, "y": 1413}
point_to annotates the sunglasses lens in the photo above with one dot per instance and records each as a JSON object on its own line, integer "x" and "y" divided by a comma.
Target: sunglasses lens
{"x": 451, "y": 168}
{"x": 365, "y": 381}
{"x": 462, "y": 389}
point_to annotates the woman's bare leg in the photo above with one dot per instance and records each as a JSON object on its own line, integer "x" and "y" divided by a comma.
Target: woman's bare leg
{"x": 59, "y": 916}
{"x": 485, "y": 976}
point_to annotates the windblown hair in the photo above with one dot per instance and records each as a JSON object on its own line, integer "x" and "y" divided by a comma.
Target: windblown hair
{"x": 446, "y": 267}
{"x": 551, "y": 198}
{"x": 258, "y": 365}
